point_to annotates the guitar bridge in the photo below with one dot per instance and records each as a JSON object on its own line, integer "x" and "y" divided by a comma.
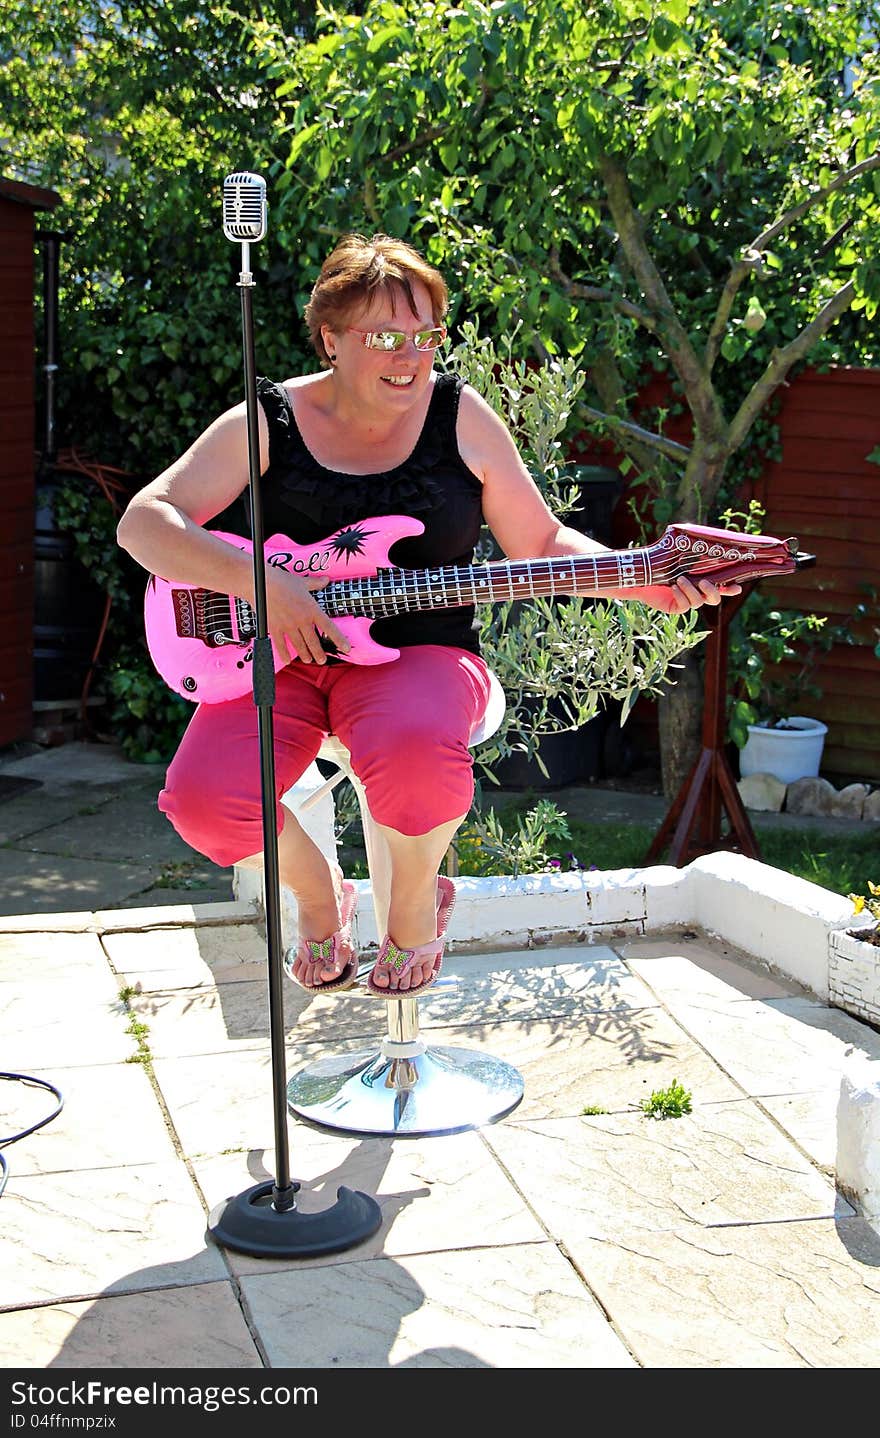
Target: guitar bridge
{"x": 216, "y": 619}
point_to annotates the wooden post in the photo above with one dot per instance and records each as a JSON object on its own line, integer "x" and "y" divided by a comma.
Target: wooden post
{"x": 694, "y": 821}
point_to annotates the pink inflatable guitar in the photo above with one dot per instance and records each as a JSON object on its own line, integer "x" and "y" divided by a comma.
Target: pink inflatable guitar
{"x": 201, "y": 642}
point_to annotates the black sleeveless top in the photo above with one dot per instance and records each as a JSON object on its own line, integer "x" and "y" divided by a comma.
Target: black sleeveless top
{"x": 303, "y": 500}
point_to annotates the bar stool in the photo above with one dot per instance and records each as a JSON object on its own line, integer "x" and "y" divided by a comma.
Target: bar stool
{"x": 405, "y": 1088}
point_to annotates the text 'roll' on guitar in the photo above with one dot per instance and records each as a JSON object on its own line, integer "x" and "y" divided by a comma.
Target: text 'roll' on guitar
{"x": 201, "y": 642}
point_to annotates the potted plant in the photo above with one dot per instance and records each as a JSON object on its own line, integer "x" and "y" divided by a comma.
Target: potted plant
{"x": 771, "y": 658}
{"x": 860, "y": 903}
{"x": 854, "y": 960}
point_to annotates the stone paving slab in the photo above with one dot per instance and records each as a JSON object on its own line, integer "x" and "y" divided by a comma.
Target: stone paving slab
{"x": 231, "y": 1017}
{"x": 776, "y": 1046}
{"x": 611, "y": 1060}
{"x": 192, "y": 912}
{"x": 497, "y": 1249}
{"x": 435, "y": 1193}
{"x": 690, "y": 968}
{"x": 761, "y": 1295}
{"x": 93, "y": 837}
{"x": 550, "y": 1240}
{"x": 80, "y": 921}
{"x": 579, "y": 978}
{"x": 202, "y": 1323}
{"x": 81, "y": 763}
{"x": 62, "y": 1027}
{"x": 28, "y": 813}
{"x": 211, "y": 887}
{"x": 110, "y": 1117}
{"x": 32, "y": 883}
{"x": 533, "y": 984}
{"x": 37, "y": 959}
{"x": 811, "y": 1121}
{"x": 612, "y": 1176}
{"x": 195, "y": 1018}
{"x": 223, "y": 1102}
{"x": 123, "y": 825}
{"x": 96, "y": 1231}
{"x": 188, "y": 958}
{"x": 508, "y": 1308}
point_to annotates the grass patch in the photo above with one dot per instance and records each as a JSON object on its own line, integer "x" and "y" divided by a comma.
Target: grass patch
{"x": 838, "y": 862}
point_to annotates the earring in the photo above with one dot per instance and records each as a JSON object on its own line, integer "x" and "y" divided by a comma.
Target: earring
{"x": 332, "y": 359}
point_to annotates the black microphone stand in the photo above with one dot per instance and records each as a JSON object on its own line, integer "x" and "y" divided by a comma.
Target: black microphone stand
{"x": 264, "y": 1220}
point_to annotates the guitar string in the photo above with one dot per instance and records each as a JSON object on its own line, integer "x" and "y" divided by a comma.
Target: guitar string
{"x": 387, "y": 588}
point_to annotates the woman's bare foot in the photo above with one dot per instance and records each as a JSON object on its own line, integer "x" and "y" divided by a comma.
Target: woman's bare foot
{"x": 384, "y": 975}
{"x": 319, "y": 918}
{"x": 423, "y": 928}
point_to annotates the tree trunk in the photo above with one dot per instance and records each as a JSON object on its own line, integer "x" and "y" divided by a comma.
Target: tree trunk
{"x": 680, "y": 713}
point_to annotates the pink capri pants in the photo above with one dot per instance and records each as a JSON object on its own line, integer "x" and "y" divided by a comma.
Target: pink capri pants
{"x": 406, "y": 725}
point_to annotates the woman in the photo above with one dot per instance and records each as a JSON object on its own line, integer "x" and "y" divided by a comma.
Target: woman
{"x": 375, "y": 432}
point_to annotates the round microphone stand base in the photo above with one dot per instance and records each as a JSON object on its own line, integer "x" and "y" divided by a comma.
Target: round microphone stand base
{"x": 437, "y": 1091}
{"x": 250, "y": 1223}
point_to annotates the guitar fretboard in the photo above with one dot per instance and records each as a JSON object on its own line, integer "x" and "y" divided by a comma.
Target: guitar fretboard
{"x": 397, "y": 591}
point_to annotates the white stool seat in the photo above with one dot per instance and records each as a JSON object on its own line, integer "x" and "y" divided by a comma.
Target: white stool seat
{"x": 493, "y": 716}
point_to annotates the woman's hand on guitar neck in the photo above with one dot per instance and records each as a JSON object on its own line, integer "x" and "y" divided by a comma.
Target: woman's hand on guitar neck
{"x": 685, "y": 594}
{"x": 296, "y": 623}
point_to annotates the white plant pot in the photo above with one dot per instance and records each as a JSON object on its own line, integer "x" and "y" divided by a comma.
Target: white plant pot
{"x": 791, "y": 753}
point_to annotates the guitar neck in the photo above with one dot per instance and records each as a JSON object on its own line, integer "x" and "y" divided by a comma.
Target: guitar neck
{"x": 397, "y": 591}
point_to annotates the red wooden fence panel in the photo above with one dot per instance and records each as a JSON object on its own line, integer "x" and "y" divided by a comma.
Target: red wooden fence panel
{"x": 825, "y": 490}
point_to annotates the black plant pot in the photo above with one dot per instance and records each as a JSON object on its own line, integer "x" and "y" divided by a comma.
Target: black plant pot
{"x": 572, "y": 757}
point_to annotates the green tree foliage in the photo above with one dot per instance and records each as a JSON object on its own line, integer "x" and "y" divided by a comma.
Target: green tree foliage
{"x": 686, "y": 186}
{"x": 133, "y": 112}
{"x": 683, "y": 186}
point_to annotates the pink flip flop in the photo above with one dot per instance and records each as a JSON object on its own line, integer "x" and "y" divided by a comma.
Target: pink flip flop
{"x": 327, "y": 951}
{"x": 402, "y": 960}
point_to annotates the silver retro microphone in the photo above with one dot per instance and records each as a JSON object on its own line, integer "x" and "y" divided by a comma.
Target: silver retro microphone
{"x": 244, "y": 207}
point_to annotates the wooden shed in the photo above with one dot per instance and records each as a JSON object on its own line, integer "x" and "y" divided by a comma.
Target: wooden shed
{"x": 19, "y": 204}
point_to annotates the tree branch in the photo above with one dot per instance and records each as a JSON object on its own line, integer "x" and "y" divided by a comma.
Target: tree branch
{"x": 739, "y": 271}
{"x": 751, "y": 256}
{"x": 627, "y": 429}
{"x": 436, "y": 132}
{"x": 425, "y": 137}
{"x": 576, "y": 291}
{"x": 798, "y": 211}
{"x": 782, "y": 361}
{"x": 608, "y": 382}
{"x": 695, "y": 380}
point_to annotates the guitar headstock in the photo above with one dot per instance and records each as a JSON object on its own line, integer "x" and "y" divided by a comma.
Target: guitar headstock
{"x": 722, "y": 555}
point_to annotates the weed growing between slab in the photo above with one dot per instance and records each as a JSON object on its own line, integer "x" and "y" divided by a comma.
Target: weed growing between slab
{"x": 138, "y": 1030}
{"x": 671, "y": 1102}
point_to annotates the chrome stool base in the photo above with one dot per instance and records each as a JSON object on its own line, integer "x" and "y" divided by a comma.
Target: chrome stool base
{"x": 435, "y": 1091}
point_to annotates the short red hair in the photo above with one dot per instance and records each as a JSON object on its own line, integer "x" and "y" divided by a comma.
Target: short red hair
{"x": 357, "y": 270}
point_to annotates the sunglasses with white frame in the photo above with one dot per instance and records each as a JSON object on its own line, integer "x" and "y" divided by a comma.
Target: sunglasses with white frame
{"x": 390, "y": 340}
